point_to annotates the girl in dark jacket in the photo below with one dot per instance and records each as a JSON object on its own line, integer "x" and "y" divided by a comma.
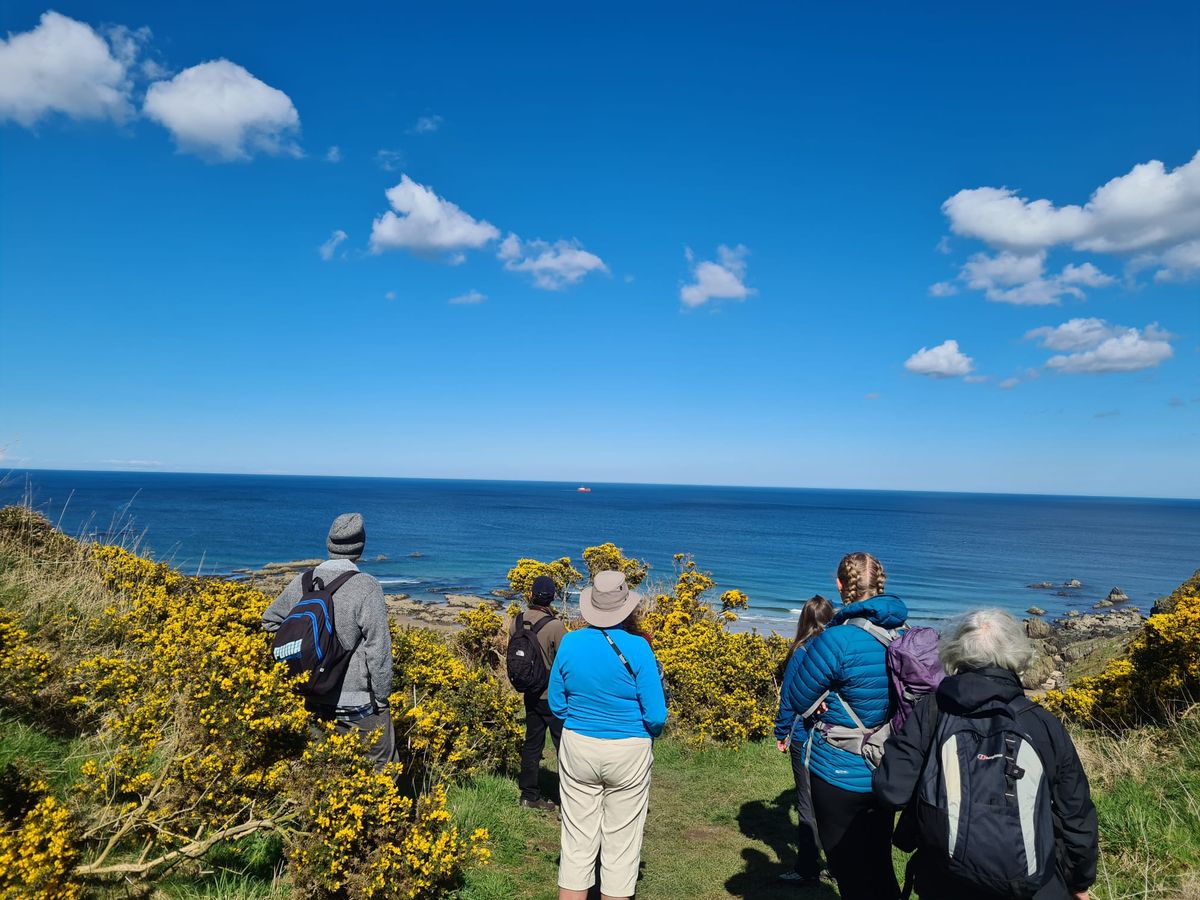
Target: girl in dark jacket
{"x": 982, "y": 653}
{"x": 791, "y": 736}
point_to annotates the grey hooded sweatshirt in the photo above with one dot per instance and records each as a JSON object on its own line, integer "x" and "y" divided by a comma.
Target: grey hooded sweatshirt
{"x": 360, "y": 618}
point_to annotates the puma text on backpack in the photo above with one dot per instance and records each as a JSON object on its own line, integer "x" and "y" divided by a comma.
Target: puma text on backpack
{"x": 526, "y": 663}
{"x": 983, "y": 804}
{"x": 307, "y": 641}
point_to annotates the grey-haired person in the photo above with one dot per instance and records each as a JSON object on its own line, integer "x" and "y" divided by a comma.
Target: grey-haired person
{"x": 983, "y": 653}
{"x": 605, "y": 686}
{"x": 361, "y": 625}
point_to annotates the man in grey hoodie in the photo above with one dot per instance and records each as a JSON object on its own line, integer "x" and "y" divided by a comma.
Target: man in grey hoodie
{"x": 361, "y": 625}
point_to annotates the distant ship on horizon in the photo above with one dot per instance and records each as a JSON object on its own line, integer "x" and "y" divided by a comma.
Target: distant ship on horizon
{"x": 583, "y": 490}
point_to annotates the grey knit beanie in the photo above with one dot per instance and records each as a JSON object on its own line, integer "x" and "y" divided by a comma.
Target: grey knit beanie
{"x": 347, "y": 537}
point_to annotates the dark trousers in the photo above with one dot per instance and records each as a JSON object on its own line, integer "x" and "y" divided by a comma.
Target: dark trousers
{"x": 857, "y": 838}
{"x": 538, "y": 719}
{"x": 380, "y": 751}
{"x": 808, "y": 853}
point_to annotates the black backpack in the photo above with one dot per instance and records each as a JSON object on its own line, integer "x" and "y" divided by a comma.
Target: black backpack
{"x": 983, "y": 805}
{"x": 526, "y": 663}
{"x": 307, "y": 640}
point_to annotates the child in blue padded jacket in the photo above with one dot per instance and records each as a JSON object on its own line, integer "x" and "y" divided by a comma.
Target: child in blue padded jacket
{"x": 791, "y": 735}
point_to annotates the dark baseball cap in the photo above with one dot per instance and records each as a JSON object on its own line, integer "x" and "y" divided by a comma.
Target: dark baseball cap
{"x": 544, "y": 588}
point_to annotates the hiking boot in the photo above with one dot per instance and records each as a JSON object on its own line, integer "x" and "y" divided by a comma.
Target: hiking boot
{"x": 540, "y": 805}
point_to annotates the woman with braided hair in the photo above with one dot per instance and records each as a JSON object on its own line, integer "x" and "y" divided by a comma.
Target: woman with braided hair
{"x": 844, "y": 675}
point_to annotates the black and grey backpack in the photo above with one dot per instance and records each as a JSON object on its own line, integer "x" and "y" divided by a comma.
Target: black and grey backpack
{"x": 984, "y": 804}
{"x": 525, "y": 662}
{"x": 307, "y": 639}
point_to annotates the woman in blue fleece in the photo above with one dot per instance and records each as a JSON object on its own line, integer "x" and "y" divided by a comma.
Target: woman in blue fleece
{"x": 606, "y": 688}
{"x": 846, "y": 667}
{"x": 791, "y": 735}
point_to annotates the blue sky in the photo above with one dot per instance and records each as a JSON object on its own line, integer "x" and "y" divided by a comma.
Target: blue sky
{"x": 935, "y": 248}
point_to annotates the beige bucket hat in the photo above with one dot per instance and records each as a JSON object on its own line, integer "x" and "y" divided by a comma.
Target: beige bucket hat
{"x": 607, "y": 601}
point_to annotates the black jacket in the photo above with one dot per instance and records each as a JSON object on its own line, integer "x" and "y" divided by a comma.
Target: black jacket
{"x": 1075, "y": 827}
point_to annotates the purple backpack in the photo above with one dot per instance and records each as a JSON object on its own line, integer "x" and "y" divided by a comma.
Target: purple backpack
{"x": 913, "y": 669}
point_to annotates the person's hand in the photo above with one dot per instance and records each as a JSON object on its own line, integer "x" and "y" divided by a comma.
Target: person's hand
{"x": 823, "y": 708}
{"x": 1080, "y": 895}
{"x": 782, "y": 747}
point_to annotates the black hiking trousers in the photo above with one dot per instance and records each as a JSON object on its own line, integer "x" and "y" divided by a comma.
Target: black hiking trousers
{"x": 538, "y": 719}
{"x": 856, "y": 835}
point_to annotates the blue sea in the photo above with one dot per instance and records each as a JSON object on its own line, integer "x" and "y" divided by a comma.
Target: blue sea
{"x": 943, "y": 552}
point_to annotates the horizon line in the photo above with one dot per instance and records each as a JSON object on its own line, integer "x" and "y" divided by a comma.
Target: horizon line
{"x": 5, "y": 473}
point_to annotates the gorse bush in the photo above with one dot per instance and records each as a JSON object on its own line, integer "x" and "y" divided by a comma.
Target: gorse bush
{"x": 198, "y": 739}
{"x": 610, "y": 558}
{"x": 722, "y": 685}
{"x": 1157, "y": 678}
{"x": 522, "y": 575}
{"x": 364, "y": 838}
{"x": 37, "y": 841}
{"x": 456, "y": 720}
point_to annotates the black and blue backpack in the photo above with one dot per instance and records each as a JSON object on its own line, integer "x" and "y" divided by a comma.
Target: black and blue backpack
{"x": 307, "y": 640}
{"x": 983, "y": 805}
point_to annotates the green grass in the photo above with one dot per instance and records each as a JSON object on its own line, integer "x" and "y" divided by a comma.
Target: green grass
{"x": 1146, "y": 786}
{"x": 721, "y": 824}
{"x": 33, "y": 750}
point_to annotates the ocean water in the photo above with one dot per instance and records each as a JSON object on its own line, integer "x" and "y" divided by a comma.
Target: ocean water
{"x": 943, "y": 553}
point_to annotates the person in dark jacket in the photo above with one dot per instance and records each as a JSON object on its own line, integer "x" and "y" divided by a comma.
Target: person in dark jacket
{"x": 983, "y": 652}
{"x": 846, "y": 667}
{"x": 538, "y": 717}
{"x": 791, "y": 737}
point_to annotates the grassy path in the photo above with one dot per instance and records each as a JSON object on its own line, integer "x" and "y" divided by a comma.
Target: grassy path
{"x": 721, "y": 825}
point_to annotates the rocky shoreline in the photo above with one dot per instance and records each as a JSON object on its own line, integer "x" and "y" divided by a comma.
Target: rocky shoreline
{"x": 1072, "y": 646}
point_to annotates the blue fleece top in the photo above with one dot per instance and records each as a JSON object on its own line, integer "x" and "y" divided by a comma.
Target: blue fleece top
{"x": 852, "y": 665}
{"x": 787, "y": 720}
{"x": 593, "y": 693}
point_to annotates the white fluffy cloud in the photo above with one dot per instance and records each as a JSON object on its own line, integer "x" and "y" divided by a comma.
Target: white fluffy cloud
{"x": 943, "y": 289}
{"x": 220, "y": 111}
{"x": 1020, "y": 278}
{"x": 723, "y": 280}
{"x": 553, "y": 265}
{"x": 328, "y": 248}
{"x": 943, "y": 361}
{"x": 470, "y": 298}
{"x": 64, "y": 66}
{"x": 1095, "y": 346}
{"x": 1150, "y": 211}
{"x": 425, "y": 223}
{"x": 333, "y": 154}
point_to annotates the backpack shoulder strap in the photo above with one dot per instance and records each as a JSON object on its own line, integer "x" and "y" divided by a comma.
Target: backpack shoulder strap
{"x": 519, "y": 624}
{"x": 306, "y": 580}
{"x": 340, "y": 580}
{"x": 539, "y": 625}
{"x": 1020, "y": 705}
{"x": 885, "y": 636}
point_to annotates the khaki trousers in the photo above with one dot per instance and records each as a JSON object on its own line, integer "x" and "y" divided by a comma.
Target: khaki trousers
{"x": 605, "y": 789}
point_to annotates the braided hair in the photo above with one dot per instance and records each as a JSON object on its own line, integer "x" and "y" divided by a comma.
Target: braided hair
{"x": 861, "y": 575}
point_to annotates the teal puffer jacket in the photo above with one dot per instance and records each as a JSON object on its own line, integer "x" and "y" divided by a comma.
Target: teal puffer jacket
{"x": 852, "y": 665}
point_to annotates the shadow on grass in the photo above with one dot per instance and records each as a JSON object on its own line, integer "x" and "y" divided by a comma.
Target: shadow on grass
{"x": 770, "y": 822}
